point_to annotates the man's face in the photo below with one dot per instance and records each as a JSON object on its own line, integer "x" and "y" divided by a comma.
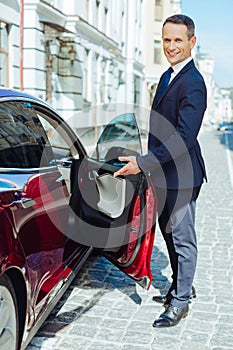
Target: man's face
{"x": 176, "y": 45}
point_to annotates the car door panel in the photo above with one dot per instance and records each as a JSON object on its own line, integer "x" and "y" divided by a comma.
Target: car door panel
{"x": 135, "y": 256}
{"x": 65, "y": 147}
{"x": 85, "y": 196}
{"x": 126, "y": 240}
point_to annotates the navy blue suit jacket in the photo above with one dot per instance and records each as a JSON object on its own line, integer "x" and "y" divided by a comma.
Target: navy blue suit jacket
{"x": 174, "y": 157}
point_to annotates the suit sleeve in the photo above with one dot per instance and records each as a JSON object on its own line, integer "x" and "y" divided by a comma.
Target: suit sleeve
{"x": 182, "y": 136}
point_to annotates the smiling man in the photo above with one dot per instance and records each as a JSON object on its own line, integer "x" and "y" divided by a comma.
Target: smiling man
{"x": 175, "y": 162}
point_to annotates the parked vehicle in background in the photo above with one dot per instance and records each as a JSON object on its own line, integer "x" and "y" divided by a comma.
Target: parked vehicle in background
{"x": 224, "y": 126}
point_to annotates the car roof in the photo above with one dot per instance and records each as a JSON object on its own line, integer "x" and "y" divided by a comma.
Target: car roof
{"x": 16, "y": 94}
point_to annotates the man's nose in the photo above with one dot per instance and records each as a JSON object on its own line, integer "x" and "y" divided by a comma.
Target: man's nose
{"x": 172, "y": 45}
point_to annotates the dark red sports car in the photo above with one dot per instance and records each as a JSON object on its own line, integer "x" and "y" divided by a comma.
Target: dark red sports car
{"x": 59, "y": 202}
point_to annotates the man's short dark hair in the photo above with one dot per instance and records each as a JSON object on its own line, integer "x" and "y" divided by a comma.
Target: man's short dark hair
{"x": 182, "y": 19}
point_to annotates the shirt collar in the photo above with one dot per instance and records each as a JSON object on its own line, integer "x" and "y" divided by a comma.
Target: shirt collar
{"x": 177, "y": 67}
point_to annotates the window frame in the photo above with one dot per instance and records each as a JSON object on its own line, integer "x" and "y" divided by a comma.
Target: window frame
{"x": 4, "y": 51}
{"x": 158, "y": 14}
{"x": 157, "y": 58}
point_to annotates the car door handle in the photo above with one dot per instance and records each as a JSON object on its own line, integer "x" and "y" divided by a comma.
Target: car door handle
{"x": 24, "y": 203}
{"x": 92, "y": 175}
{"x": 66, "y": 163}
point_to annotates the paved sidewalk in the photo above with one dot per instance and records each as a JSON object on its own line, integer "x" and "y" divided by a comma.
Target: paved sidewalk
{"x": 103, "y": 309}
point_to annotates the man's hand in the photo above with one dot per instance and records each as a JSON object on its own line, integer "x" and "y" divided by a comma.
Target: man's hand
{"x": 130, "y": 168}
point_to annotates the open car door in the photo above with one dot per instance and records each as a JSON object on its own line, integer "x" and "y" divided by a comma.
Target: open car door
{"x": 114, "y": 215}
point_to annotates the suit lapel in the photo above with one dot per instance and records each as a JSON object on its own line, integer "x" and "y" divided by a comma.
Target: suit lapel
{"x": 177, "y": 77}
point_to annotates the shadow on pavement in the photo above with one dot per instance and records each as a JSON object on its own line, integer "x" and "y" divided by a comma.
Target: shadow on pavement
{"x": 98, "y": 277}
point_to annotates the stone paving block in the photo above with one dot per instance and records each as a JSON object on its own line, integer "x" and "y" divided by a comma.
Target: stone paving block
{"x": 137, "y": 338}
{"x": 88, "y": 320}
{"x": 140, "y": 327}
{"x": 194, "y": 346}
{"x": 205, "y": 307}
{"x": 114, "y": 323}
{"x": 165, "y": 342}
{"x": 71, "y": 343}
{"x": 209, "y": 317}
{"x": 105, "y": 346}
{"x": 203, "y": 327}
{"x": 113, "y": 335}
{"x": 196, "y": 337}
{"x": 82, "y": 330}
{"x": 45, "y": 343}
{"x": 119, "y": 314}
{"x": 222, "y": 341}
{"x": 134, "y": 347}
{"x": 164, "y": 333}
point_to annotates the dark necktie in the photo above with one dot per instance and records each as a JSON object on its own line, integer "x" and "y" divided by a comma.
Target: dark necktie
{"x": 164, "y": 83}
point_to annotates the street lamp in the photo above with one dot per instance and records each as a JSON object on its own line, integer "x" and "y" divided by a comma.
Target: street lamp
{"x": 54, "y": 46}
{"x": 72, "y": 54}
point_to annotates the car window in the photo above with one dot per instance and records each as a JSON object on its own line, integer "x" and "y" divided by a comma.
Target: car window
{"x": 23, "y": 141}
{"x": 60, "y": 147}
{"x": 120, "y": 135}
{"x": 102, "y": 139}
{"x": 63, "y": 144}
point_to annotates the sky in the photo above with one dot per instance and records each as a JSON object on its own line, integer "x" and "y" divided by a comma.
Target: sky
{"x": 214, "y": 30}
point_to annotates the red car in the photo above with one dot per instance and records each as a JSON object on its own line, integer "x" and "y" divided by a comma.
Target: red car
{"x": 59, "y": 202}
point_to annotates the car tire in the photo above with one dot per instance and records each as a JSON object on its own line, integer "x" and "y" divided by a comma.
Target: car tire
{"x": 9, "y": 324}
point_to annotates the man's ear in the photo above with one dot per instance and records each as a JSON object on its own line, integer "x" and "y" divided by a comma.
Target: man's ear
{"x": 193, "y": 41}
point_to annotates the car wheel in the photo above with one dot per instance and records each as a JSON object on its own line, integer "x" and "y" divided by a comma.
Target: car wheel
{"x": 8, "y": 315}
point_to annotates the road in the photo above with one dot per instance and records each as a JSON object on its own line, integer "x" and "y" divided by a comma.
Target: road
{"x": 104, "y": 309}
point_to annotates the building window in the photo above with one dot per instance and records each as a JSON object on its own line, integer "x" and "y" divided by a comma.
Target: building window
{"x": 87, "y": 10}
{"x": 86, "y": 75}
{"x": 105, "y": 22}
{"x": 4, "y": 64}
{"x": 103, "y": 80}
{"x": 158, "y": 10}
{"x": 97, "y": 13}
{"x": 157, "y": 52}
{"x": 136, "y": 90}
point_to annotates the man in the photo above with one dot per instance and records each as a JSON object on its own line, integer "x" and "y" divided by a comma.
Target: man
{"x": 175, "y": 163}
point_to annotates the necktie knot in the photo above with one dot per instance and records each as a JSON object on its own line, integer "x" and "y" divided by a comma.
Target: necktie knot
{"x": 169, "y": 71}
{"x": 164, "y": 82}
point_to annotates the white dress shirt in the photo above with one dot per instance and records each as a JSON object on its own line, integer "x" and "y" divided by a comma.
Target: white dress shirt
{"x": 177, "y": 67}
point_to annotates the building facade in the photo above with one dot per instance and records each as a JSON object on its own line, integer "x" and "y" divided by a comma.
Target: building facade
{"x": 79, "y": 54}
{"x": 156, "y": 11}
{"x": 73, "y": 54}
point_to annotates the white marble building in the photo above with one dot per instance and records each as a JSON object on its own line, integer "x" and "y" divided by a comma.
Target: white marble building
{"x": 73, "y": 54}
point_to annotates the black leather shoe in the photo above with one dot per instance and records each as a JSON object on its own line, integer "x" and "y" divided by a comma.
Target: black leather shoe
{"x": 171, "y": 316}
{"x": 165, "y": 299}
